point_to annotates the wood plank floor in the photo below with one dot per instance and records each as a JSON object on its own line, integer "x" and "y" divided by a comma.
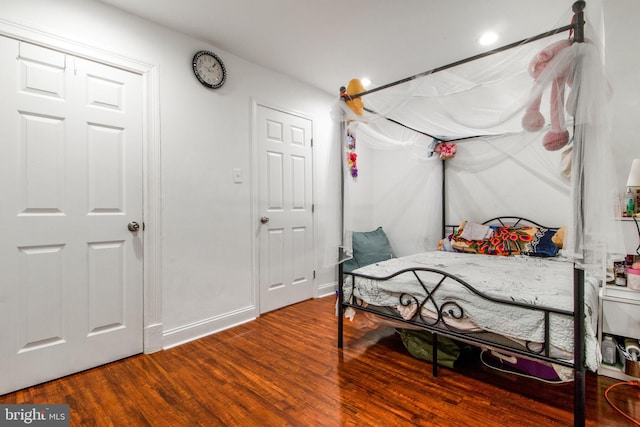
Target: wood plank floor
{"x": 285, "y": 370}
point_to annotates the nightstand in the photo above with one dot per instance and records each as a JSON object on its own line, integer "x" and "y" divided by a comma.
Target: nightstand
{"x": 620, "y": 306}
{"x": 620, "y": 316}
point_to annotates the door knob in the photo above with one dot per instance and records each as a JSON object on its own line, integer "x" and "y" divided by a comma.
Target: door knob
{"x": 264, "y": 219}
{"x": 133, "y": 226}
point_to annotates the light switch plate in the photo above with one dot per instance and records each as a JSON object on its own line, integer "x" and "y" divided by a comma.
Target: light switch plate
{"x": 237, "y": 175}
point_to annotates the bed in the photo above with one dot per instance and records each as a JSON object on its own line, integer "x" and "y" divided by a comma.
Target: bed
{"x": 468, "y": 296}
{"x": 544, "y": 309}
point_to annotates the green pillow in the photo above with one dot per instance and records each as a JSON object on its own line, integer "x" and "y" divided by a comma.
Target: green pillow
{"x": 349, "y": 265}
{"x": 370, "y": 247}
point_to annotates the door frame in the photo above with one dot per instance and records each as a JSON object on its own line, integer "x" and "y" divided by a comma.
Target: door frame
{"x": 255, "y": 202}
{"x": 152, "y": 278}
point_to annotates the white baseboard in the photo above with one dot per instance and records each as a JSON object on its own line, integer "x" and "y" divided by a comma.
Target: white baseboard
{"x": 153, "y": 338}
{"x": 193, "y": 331}
{"x": 184, "y": 334}
{"x": 327, "y": 289}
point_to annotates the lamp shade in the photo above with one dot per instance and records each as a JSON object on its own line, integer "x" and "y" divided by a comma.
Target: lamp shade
{"x": 634, "y": 174}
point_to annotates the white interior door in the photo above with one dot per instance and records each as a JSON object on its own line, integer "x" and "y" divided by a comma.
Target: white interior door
{"x": 286, "y": 208}
{"x": 71, "y": 181}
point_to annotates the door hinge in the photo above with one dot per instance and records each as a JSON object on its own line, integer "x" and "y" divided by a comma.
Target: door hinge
{"x": 313, "y": 208}
{"x": 312, "y": 142}
{"x": 314, "y": 274}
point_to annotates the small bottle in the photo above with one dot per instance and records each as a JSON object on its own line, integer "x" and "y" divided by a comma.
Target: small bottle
{"x": 608, "y": 350}
{"x": 620, "y": 273}
{"x": 631, "y": 203}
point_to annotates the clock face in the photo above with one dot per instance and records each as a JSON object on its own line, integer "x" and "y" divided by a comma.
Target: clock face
{"x": 209, "y": 69}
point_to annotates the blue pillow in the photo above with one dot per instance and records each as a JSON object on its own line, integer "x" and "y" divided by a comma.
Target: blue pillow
{"x": 370, "y": 247}
{"x": 542, "y": 245}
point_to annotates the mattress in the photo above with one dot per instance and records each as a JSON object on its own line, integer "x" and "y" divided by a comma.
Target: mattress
{"x": 536, "y": 281}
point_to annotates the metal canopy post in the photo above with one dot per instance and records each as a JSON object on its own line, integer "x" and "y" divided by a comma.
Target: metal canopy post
{"x": 579, "y": 386}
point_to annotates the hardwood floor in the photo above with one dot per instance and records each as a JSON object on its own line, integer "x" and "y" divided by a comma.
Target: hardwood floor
{"x": 284, "y": 369}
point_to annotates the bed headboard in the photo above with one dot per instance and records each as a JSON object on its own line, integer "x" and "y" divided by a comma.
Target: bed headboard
{"x": 505, "y": 235}
{"x": 513, "y": 221}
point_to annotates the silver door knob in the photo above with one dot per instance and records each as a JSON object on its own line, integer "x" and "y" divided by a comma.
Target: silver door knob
{"x": 264, "y": 219}
{"x": 133, "y": 226}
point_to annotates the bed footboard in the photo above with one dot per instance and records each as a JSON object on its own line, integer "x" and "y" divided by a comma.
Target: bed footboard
{"x": 433, "y": 309}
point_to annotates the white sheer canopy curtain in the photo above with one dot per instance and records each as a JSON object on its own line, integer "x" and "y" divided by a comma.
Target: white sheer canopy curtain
{"x": 501, "y": 169}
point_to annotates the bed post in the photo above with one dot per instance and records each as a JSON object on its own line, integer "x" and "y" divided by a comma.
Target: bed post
{"x": 444, "y": 199}
{"x": 340, "y": 307}
{"x": 579, "y": 388}
{"x": 578, "y": 10}
{"x": 434, "y": 355}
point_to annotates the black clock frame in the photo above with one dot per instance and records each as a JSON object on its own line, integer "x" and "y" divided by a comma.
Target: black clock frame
{"x": 197, "y": 74}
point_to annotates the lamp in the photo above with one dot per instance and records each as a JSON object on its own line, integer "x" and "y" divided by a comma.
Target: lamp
{"x": 634, "y": 174}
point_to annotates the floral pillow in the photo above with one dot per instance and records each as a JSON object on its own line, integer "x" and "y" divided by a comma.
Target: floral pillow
{"x": 504, "y": 240}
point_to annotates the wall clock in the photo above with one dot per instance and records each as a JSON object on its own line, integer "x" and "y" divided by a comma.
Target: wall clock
{"x": 209, "y": 69}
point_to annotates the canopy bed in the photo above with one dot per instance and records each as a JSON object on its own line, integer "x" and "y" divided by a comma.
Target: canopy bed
{"x": 477, "y": 298}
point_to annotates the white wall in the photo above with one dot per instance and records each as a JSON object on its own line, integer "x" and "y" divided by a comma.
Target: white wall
{"x": 623, "y": 62}
{"x": 207, "y": 252}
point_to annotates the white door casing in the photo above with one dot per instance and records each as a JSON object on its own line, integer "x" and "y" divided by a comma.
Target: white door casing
{"x": 285, "y": 208}
{"x": 71, "y": 179}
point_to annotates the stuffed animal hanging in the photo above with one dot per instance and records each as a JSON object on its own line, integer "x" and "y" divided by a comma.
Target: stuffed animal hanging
{"x": 533, "y": 120}
{"x": 354, "y": 87}
{"x": 352, "y": 156}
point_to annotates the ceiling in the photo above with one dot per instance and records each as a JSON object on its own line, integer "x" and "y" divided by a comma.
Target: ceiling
{"x": 325, "y": 43}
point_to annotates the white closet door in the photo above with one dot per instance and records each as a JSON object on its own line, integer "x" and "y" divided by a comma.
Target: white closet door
{"x": 71, "y": 181}
{"x": 286, "y": 215}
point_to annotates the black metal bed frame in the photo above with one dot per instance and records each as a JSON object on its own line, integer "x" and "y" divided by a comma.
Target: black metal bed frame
{"x": 451, "y": 309}
{"x": 439, "y": 326}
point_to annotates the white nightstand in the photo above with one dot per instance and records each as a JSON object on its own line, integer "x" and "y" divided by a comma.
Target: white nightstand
{"x": 620, "y": 315}
{"x": 620, "y": 306}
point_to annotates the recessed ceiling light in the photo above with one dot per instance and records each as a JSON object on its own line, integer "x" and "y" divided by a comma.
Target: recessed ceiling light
{"x": 488, "y": 38}
{"x": 365, "y": 81}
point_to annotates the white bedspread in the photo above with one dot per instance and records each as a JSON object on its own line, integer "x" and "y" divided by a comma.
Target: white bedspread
{"x": 537, "y": 281}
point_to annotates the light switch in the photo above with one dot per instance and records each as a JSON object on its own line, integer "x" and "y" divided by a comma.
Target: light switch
{"x": 237, "y": 175}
